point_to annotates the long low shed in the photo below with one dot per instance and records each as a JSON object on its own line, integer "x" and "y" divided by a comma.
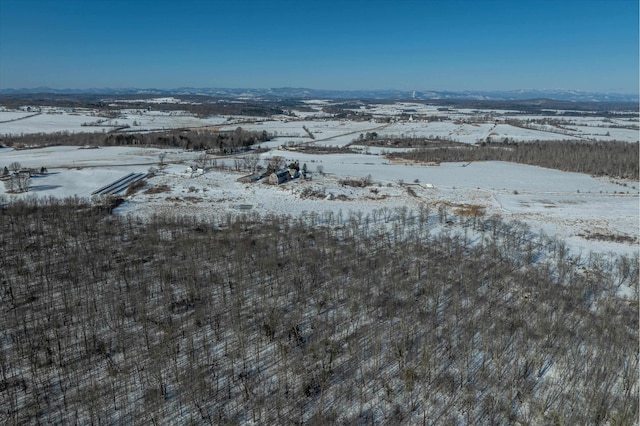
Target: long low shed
{"x": 120, "y": 184}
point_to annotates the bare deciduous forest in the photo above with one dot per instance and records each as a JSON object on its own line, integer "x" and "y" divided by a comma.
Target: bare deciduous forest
{"x": 319, "y": 319}
{"x": 185, "y": 139}
{"x": 201, "y": 106}
{"x": 615, "y": 159}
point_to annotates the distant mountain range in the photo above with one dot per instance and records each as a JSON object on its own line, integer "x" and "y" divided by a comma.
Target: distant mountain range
{"x": 302, "y": 93}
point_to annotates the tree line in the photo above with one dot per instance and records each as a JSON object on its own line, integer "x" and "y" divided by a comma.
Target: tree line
{"x": 324, "y": 318}
{"x": 108, "y": 105}
{"x": 185, "y": 139}
{"x": 615, "y": 159}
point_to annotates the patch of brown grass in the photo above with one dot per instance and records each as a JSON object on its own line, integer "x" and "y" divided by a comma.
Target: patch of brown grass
{"x": 158, "y": 189}
{"x": 381, "y": 197}
{"x": 356, "y": 183}
{"x": 470, "y": 210}
{"x": 611, "y": 237}
{"x": 193, "y": 199}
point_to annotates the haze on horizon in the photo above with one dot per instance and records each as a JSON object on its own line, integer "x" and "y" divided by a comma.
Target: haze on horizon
{"x": 588, "y": 45}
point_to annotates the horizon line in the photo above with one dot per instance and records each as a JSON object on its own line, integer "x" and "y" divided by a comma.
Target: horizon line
{"x": 619, "y": 92}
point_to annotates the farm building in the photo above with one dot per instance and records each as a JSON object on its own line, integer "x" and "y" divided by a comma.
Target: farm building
{"x": 254, "y": 177}
{"x": 280, "y": 176}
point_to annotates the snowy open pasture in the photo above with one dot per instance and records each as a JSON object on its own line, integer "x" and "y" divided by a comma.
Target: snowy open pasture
{"x": 577, "y": 207}
{"x": 52, "y": 120}
{"x": 570, "y": 205}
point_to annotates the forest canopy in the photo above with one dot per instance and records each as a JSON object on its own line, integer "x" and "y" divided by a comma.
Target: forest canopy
{"x": 318, "y": 319}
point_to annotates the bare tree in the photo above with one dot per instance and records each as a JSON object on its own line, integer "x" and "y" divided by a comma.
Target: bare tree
{"x": 251, "y": 162}
{"x": 23, "y": 181}
{"x": 277, "y": 161}
{"x": 10, "y": 184}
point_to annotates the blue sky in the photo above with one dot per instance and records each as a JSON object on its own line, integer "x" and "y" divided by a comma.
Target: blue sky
{"x": 589, "y": 45}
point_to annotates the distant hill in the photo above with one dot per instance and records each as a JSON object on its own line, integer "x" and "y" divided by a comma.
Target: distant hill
{"x": 304, "y": 93}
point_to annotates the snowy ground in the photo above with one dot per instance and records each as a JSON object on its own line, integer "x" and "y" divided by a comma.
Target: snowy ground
{"x": 462, "y": 125}
{"x": 573, "y": 206}
{"x": 55, "y": 120}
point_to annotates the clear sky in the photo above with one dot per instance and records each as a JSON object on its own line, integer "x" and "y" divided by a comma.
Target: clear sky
{"x": 589, "y": 45}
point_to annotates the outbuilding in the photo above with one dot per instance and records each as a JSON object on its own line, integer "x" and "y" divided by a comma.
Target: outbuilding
{"x": 280, "y": 176}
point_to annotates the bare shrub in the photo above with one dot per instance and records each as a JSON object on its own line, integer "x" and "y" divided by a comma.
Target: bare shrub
{"x": 135, "y": 187}
{"x": 158, "y": 189}
{"x": 357, "y": 183}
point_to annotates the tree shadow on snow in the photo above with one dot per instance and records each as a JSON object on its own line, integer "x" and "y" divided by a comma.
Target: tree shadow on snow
{"x": 43, "y": 187}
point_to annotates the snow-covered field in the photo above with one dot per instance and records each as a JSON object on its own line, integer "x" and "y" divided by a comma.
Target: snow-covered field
{"x": 574, "y": 206}
{"x": 389, "y": 120}
{"x": 57, "y": 120}
{"x": 570, "y": 205}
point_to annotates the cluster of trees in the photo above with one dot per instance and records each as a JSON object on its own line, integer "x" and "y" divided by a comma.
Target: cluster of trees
{"x": 350, "y": 110}
{"x": 251, "y": 163}
{"x": 220, "y": 107}
{"x": 369, "y": 136}
{"x": 325, "y": 149}
{"x": 14, "y": 179}
{"x": 543, "y": 107}
{"x": 108, "y": 105}
{"x": 615, "y": 159}
{"x": 17, "y": 182}
{"x": 186, "y": 139}
{"x": 317, "y": 319}
{"x": 406, "y": 141}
